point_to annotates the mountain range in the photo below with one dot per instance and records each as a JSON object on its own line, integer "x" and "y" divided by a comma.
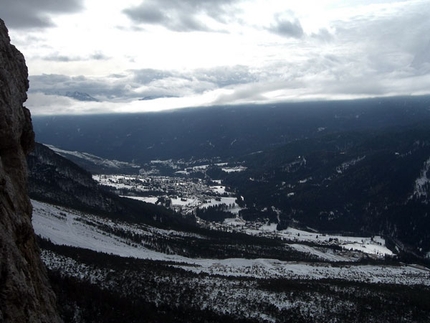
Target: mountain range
{"x": 355, "y": 166}
{"x": 225, "y": 131}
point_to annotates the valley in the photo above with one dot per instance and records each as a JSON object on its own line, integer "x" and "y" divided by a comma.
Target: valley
{"x": 186, "y": 195}
{"x": 322, "y": 217}
{"x": 182, "y": 194}
{"x": 229, "y": 268}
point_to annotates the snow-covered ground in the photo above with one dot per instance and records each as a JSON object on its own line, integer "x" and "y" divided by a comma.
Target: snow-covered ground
{"x": 422, "y": 181}
{"x": 368, "y": 245}
{"x": 234, "y": 169}
{"x": 67, "y": 227}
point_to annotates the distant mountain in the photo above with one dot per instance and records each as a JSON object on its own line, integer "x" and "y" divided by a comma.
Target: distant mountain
{"x": 80, "y": 96}
{"x": 154, "y": 97}
{"x": 230, "y": 131}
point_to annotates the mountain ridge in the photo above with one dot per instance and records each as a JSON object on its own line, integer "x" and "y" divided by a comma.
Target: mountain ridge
{"x": 224, "y": 131}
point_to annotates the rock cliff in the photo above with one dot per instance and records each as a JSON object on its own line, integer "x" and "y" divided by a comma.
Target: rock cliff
{"x": 25, "y": 294}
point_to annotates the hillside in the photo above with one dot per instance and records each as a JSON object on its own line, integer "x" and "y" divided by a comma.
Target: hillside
{"x": 359, "y": 182}
{"x": 140, "y": 273}
{"x": 225, "y": 131}
{"x": 57, "y": 180}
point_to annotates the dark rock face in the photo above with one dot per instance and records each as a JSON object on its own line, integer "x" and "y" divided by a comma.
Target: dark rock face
{"x": 25, "y": 294}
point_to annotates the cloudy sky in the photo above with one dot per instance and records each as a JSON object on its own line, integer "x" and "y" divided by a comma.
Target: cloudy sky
{"x": 146, "y": 55}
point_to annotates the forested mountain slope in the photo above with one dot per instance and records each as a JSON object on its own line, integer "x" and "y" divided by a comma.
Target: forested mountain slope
{"x": 224, "y": 131}
{"x": 376, "y": 182}
{"x": 57, "y": 180}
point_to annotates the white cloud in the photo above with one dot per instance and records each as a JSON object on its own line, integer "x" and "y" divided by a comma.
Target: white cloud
{"x": 181, "y": 53}
{"x": 287, "y": 25}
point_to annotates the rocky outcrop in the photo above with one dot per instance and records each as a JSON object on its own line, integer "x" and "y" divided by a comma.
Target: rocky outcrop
{"x": 25, "y": 295}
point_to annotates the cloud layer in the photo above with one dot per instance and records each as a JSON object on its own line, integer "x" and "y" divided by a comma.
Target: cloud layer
{"x": 149, "y": 55}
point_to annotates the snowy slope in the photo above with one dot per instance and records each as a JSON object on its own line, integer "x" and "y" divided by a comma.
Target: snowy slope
{"x": 67, "y": 227}
{"x": 96, "y": 160}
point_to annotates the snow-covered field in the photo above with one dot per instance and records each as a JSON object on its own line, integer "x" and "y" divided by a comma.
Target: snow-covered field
{"x": 67, "y": 227}
{"x": 369, "y": 245}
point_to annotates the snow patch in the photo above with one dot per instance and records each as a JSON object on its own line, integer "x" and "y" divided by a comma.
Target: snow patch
{"x": 421, "y": 183}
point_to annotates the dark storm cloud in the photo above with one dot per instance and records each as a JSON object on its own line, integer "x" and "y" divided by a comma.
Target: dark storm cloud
{"x": 287, "y": 27}
{"x": 180, "y": 15}
{"x": 24, "y": 14}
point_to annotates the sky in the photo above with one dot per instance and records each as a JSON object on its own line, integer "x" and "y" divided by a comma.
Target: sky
{"x": 152, "y": 55}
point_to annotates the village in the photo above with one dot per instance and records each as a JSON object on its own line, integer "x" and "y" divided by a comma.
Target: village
{"x": 185, "y": 194}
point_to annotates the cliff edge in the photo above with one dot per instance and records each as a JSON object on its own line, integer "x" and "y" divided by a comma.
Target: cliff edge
{"x": 25, "y": 294}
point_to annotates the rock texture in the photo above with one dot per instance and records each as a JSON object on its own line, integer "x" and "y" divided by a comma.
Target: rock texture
{"x": 25, "y": 294}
